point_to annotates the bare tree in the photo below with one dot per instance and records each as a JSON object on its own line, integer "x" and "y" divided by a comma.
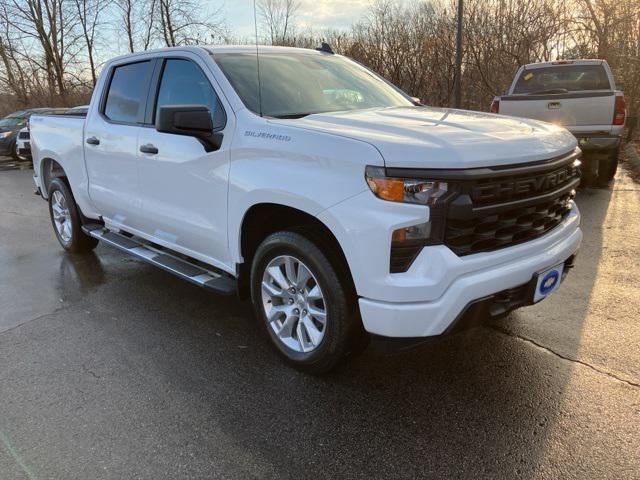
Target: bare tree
{"x": 183, "y": 22}
{"x": 52, "y": 24}
{"x": 89, "y": 17}
{"x": 12, "y": 75}
{"x": 277, "y": 17}
{"x": 136, "y": 19}
{"x": 127, "y": 21}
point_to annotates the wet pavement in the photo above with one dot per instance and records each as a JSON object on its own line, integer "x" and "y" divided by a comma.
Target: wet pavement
{"x": 111, "y": 369}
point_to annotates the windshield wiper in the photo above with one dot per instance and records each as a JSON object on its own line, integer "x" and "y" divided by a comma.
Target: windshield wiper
{"x": 293, "y": 115}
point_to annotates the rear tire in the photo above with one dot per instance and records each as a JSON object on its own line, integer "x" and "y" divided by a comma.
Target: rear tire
{"x": 303, "y": 303}
{"x": 66, "y": 220}
{"x": 607, "y": 168}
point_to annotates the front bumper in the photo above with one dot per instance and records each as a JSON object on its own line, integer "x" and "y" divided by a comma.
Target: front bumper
{"x": 477, "y": 280}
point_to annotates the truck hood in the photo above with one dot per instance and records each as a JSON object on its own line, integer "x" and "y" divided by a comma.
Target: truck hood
{"x": 425, "y": 137}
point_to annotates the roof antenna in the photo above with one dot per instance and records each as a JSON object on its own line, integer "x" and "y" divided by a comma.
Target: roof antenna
{"x": 255, "y": 23}
{"x": 325, "y": 47}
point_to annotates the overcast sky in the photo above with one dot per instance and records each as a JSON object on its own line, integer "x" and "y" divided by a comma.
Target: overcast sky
{"x": 313, "y": 14}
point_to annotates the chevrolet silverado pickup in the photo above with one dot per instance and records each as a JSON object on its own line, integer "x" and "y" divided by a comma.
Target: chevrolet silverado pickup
{"x": 307, "y": 183}
{"x": 580, "y": 95}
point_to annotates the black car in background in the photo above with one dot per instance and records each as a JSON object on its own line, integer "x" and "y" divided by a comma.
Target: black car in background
{"x": 12, "y": 124}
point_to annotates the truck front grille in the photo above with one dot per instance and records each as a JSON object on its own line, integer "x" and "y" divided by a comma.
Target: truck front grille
{"x": 24, "y": 135}
{"x": 507, "y": 227}
{"x": 511, "y": 206}
{"x": 487, "y": 209}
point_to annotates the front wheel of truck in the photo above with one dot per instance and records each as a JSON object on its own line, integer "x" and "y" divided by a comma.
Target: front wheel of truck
{"x": 303, "y": 302}
{"x": 65, "y": 218}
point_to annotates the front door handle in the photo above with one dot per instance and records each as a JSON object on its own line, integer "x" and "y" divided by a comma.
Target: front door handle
{"x": 148, "y": 148}
{"x": 93, "y": 141}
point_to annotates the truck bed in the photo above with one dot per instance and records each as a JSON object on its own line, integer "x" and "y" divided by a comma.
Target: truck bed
{"x": 58, "y": 136}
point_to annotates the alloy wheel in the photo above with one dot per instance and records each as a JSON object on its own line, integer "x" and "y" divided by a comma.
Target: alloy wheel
{"x": 61, "y": 216}
{"x": 294, "y": 304}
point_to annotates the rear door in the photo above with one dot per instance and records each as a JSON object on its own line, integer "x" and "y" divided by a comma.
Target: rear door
{"x": 184, "y": 187}
{"x": 111, "y": 143}
{"x": 571, "y": 95}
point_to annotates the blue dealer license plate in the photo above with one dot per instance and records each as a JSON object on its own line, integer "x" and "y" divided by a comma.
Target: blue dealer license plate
{"x": 548, "y": 282}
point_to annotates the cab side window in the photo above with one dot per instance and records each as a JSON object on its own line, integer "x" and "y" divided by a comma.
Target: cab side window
{"x": 184, "y": 83}
{"x": 127, "y": 92}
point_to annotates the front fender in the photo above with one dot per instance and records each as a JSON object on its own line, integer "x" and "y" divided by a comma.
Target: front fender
{"x": 283, "y": 165}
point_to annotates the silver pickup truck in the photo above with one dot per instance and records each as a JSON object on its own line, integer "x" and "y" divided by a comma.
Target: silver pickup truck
{"x": 581, "y": 96}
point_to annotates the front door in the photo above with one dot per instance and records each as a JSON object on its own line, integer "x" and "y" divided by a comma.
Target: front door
{"x": 111, "y": 144}
{"x": 184, "y": 187}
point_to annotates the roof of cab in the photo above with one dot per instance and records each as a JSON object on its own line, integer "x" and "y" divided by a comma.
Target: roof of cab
{"x": 220, "y": 49}
{"x": 261, "y": 49}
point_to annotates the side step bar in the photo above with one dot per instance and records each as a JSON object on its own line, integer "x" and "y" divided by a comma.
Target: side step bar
{"x": 209, "y": 279}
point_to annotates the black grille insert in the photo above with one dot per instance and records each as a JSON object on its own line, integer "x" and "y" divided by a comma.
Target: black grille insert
{"x": 505, "y": 228}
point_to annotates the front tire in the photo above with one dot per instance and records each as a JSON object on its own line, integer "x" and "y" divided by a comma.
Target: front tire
{"x": 66, "y": 221}
{"x": 302, "y": 302}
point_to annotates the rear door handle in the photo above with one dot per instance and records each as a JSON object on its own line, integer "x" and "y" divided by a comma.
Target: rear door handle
{"x": 148, "y": 148}
{"x": 93, "y": 141}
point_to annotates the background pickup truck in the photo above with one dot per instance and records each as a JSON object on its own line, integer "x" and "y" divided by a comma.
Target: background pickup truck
{"x": 325, "y": 194}
{"x": 580, "y": 95}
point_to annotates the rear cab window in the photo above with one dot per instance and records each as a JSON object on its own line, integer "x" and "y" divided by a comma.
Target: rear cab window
{"x": 127, "y": 92}
{"x": 562, "y": 79}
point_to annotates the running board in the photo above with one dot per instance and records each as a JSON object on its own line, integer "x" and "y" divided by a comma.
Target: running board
{"x": 209, "y": 279}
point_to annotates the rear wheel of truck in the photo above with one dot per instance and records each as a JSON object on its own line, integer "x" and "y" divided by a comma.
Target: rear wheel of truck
{"x": 65, "y": 218}
{"x": 303, "y": 302}
{"x": 607, "y": 168}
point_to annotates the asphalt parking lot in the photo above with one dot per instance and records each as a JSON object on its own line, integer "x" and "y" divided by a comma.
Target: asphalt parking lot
{"x": 112, "y": 369}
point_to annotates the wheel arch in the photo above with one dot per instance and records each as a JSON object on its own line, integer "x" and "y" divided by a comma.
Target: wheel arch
{"x": 263, "y": 219}
{"x": 50, "y": 169}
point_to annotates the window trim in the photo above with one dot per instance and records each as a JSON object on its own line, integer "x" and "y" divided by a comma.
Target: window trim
{"x": 154, "y": 91}
{"x": 142, "y": 106}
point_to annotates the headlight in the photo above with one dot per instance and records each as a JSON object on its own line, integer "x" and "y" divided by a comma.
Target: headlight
{"x": 407, "y": 242}
{"x": 4, "y": 134}
{"x": 407, "y": 190}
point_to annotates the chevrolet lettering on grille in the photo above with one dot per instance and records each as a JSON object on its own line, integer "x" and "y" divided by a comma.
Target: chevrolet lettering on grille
{"x": 523, "y": 186}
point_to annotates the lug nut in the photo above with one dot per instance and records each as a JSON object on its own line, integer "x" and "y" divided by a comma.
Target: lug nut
{"x": 292, "y": 290}
{"x": 296, "y": 311}
{"x": 304, "y": 312}
{"x": 291, "y": 301}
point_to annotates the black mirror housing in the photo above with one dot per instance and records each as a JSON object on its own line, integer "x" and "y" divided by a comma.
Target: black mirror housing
{"x": 189, "y": 120}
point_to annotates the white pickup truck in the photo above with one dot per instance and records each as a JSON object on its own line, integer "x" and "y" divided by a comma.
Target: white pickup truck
{"x": 311, "y": 185}
{"x": 580, "y": 95}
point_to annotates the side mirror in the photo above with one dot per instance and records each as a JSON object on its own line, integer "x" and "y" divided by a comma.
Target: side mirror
{"x": 190, "y": 120}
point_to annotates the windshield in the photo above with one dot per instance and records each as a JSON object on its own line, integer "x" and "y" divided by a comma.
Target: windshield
{"x": 12, "y": 121}
{"x": 562, "y": 78}
{"x": 298, "y": 84}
